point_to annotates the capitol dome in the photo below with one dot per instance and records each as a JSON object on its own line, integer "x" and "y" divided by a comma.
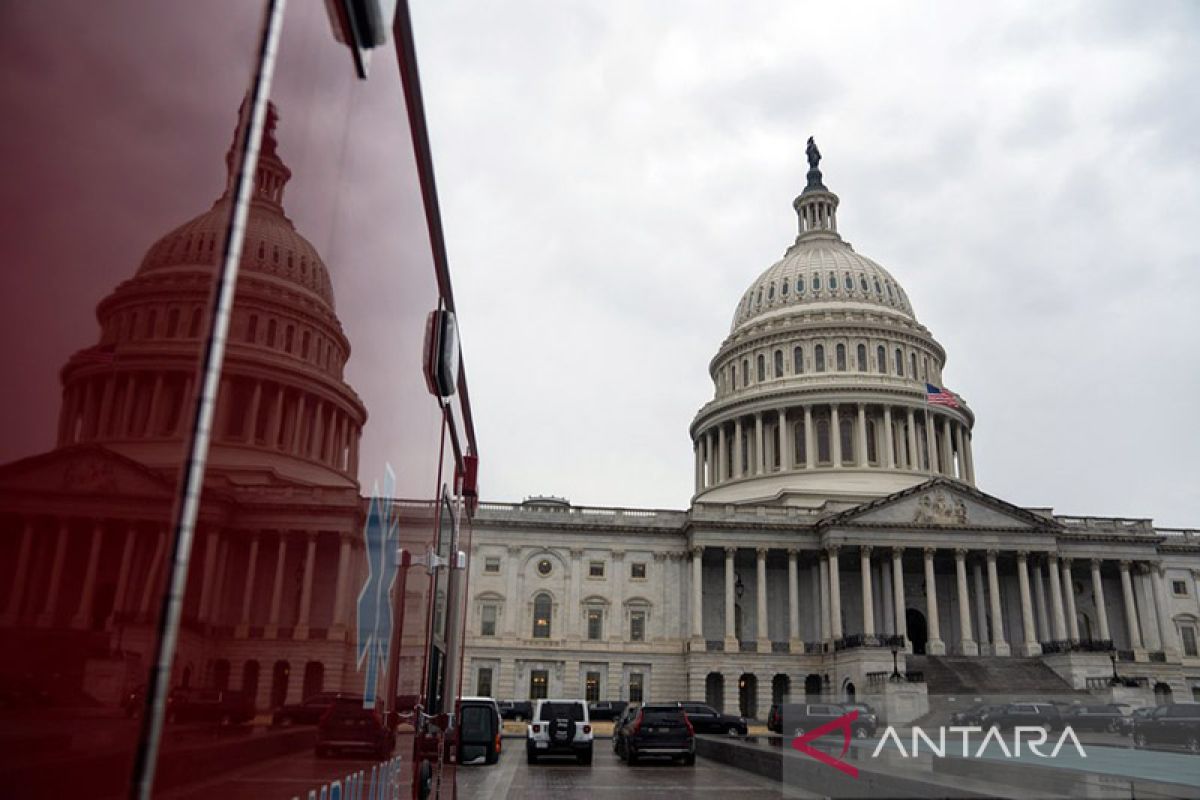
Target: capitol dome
{"x": 827, "y": 387}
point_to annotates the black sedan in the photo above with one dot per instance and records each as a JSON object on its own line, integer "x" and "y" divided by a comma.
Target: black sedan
{"x": 1107, "y": 717}
{"x": 706, "y": 719}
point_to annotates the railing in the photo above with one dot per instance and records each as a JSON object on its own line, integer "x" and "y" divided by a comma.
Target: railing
{"x": 781, "y": 647}
{"x": 1125, "y": 655}
{"x": 857, "y": 640}
{"x": 748, "y": 647}
{"x": 714, "y": 646}
{"x": 1077, "y": 646}
{"x": 814, "y": 648}
{"x": 1157, "y": 657}
{"x": 914, "y": 677}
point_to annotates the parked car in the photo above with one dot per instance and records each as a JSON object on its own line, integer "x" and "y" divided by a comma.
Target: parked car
{"x": 775, "y": 718}
{"x": 352, "y": 727}
{"x": 1127, "y": 723}
{"x": 516, "y": 709}
{"x": 209, "y": 705}
{"x": 706, "y": 719}
{"x": 657, "y": 730}
{"x": 1038, "y": 715}
{"x": 310, "y": 710}
{"x": 1175, "y": 725}
{"x": 480, "y": 730}
{"x": 605, "y": 709}
{"x": 627, "y": 715}
{"x": 975, "y": 715}
{"x": 1106, "y": 717}
{"x": 560, "y": 727}
{"x": 803, "y": 717}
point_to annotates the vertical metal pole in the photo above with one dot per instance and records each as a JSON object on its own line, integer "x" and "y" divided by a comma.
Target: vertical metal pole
{"x": 187, "y": 499}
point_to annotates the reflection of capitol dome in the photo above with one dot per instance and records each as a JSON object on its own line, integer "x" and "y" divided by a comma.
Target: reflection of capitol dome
{"x": 821, "y": 384}
{"x": 282, "y": 389}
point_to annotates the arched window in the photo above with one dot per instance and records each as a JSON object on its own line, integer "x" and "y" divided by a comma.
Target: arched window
{"x": 771, "y": 292}
{"x": 272, "y": 327}
{"x": 925, "y": 368}
{"x": 733, "y": 376}
{"x": 800, "y": 285}
{"x": 848, "y": 282}
{"x": 745, "y": 372}
{"x": 881, "y": 357}
{"x": 823, "y": 442}
{"x": 841, "y": 357}
{"x": 832, "y": 281}
{"x": 862, "y": 358}
{"x": 783, "y": 288}
{"x": 173, "y": 323}
{"x": 819, "y": 357}
{"x": 762, "y": 368}
{"x": 778, "y": 363}
{"x": 862, "y": 282}
{"x": 816, "y": 281}
{"x": 798, "y": 361}
{"x": 542, "y": 606}
{"x": 912, "y": 361}
{"x": 846, "y": 433}
{"x": 899, "y": 363}
{"x": 801, "y": 444}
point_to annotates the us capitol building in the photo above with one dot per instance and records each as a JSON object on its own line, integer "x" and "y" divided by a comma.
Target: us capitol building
{"x": 836, "y": 539}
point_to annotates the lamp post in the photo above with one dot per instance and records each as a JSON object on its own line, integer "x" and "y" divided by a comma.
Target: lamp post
{"x": 895, "y": 667}
{"x": 1116, "y": 679}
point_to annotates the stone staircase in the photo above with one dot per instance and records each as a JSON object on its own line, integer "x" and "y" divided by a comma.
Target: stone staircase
{"x": 955, "y": 682}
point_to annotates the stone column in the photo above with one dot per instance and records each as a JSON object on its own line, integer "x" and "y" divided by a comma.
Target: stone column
{"x": 619, "y": 630}
{"x": 935, "y": 646}
{"x": 959, "y": 468}
{"x": 947, "y": 449}
{"x": 835, "y": 436}
{"x": 810, "y": 454}
{"x": 787, "y": 459}
{"x": 868, "y": 595}
{"x": 931, "y": 441}
{"x": 1039, "y": 590}
{"x": 835, "y": 595}
{"x": 999, "y": 644}
{"x": 83, "y": 613}
{"x": 860, "y": 457}
{"x": 1098, "y": 600}
{"x": 763, "y": 639}
{"x": 277, "y": 586}
{"x": 317, "y": 432}
{"x": 1162, "y": 609}
{"x": 889, "y": 607}
{"x": 122, "y": 589}
{"x": 251, "y": 420}
{"x": 731, "y": 640}
{"x": 150, "y": 424}
{"x": 149, "y": 588}
{"x": 898, "y": 596}
{"x": 889, "y": 439}
{"x": 739, "y": 449}
{"x": 1056, "y": 606}
{"x": 243, "y": 627}
{"x": 16, "y": 591}
{"x": 217, "y": 594}
{"x": 1031, "y": 646}
{"x": 50, "y": 607}
{"x": 340, "y": 587}
{"x": 967, "y": 646}
{"x": 914, "y": 463}
{"x": 206, "y": 575}
{"x": 795, "y": 644}
{"x": 1131, "y": 620}
{"x": 276, "y": 421}
{"x": 760, "y": 461}
{"x": 722, "y": 454}
{"x": 697, "y": 596}
{"x": 512, "y": 604}
{"x": 1148, "y": 620}
{"x": 698, "y": 478}
{"x": 980, "y": 607}
{"x": 823, "y": 594}
{"x": 574, "y": 611}
{"x": 970, "y": 459}
{"x": 1068, "y": 587}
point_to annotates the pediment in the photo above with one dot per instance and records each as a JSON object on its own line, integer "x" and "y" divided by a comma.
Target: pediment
{"x": 83, "y": 470}
{"x": 942, "y": 503}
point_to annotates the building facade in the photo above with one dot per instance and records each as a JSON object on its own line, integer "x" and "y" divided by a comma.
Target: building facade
{"x": 836, "y": 532}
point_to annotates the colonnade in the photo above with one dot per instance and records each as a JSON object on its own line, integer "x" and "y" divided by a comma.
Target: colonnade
{"x": 834, "y": 436}
{"x": 1045, "y": 580}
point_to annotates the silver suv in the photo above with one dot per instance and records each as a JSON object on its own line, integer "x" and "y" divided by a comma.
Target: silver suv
{"x": 559, "y": 728}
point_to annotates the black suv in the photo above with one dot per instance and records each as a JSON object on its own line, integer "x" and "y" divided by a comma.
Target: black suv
{"x": 803, "y": 717}
{"x": 604, "y": 709}
{"x": 1093, "y": 718}
{"x": 1035, "y": 715}
{"x": 516, "y": 709}
{"x": 352, "y": 727}
{"x": 1177, "y": 725}
{"x": 209, "y": 705}
{"x": 312, "y": 708}
{"x": 657, "y": 730}
{"x": 706, "y": 719}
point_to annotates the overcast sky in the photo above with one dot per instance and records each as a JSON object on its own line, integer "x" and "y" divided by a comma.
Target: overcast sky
{"x": 613, "y": 175}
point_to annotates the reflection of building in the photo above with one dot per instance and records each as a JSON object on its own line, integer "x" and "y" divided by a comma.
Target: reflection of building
{"x": 835, "y": 508}
{"x": 278, "y": 560}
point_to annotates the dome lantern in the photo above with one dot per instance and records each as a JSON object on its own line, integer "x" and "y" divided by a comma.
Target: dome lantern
{"x": 816, "y": 207}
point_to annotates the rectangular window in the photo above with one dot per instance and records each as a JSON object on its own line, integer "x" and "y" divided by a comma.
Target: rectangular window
{"x": 1189, "y": 640}
{"x": 483, "y": 682}
{"x": 491, "y": 565}
{"x": 637, "y": 626}
{"x": 636, "y": 690}
{"x": 637, "y": 570}
{"x": 595, "y": 569}
{"x": 591, "y": 687}
{"x": 539, "y": 688}
{"x": 487, "y": 620}
{"x": 595, "y": 624}
{"x": 1179, "y": 588}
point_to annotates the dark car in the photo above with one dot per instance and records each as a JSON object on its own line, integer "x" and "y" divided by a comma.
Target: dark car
{"x": 352, "y": 727}
{"x": 775, "y": 718}
{"x": 209, "y": 705}
{"x": 604, "y": 709}
{"x": 657, "y": 730}
{"x": 1126, "y": 724}
{"x": 626, "y": 716}
{"x": 706, "y": 719}
{"x": 803, "y": 717}
{"x": 1175, "y": 725}
{"x": 516, "y": 709}
{"x": 1106, "y": 717}
{"x": 312, "y": 708}
{"x": 1035, "y": 715}
{"x": 975, "y": 715}
{"x": 480, "y": 730}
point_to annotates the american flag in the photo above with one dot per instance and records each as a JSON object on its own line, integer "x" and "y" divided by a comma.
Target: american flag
{"x": 937, "y": 396}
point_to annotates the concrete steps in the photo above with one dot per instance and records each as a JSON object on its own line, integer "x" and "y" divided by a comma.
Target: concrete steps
{"x": 989, "y": 675}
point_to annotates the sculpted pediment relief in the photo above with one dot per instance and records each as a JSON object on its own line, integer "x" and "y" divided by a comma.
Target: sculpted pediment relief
{"x": 944, "y": 504}
{"x": 90, "y": 470}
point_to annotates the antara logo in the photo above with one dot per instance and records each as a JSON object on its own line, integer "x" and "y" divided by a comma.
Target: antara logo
{"x": 842, "y": 723}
